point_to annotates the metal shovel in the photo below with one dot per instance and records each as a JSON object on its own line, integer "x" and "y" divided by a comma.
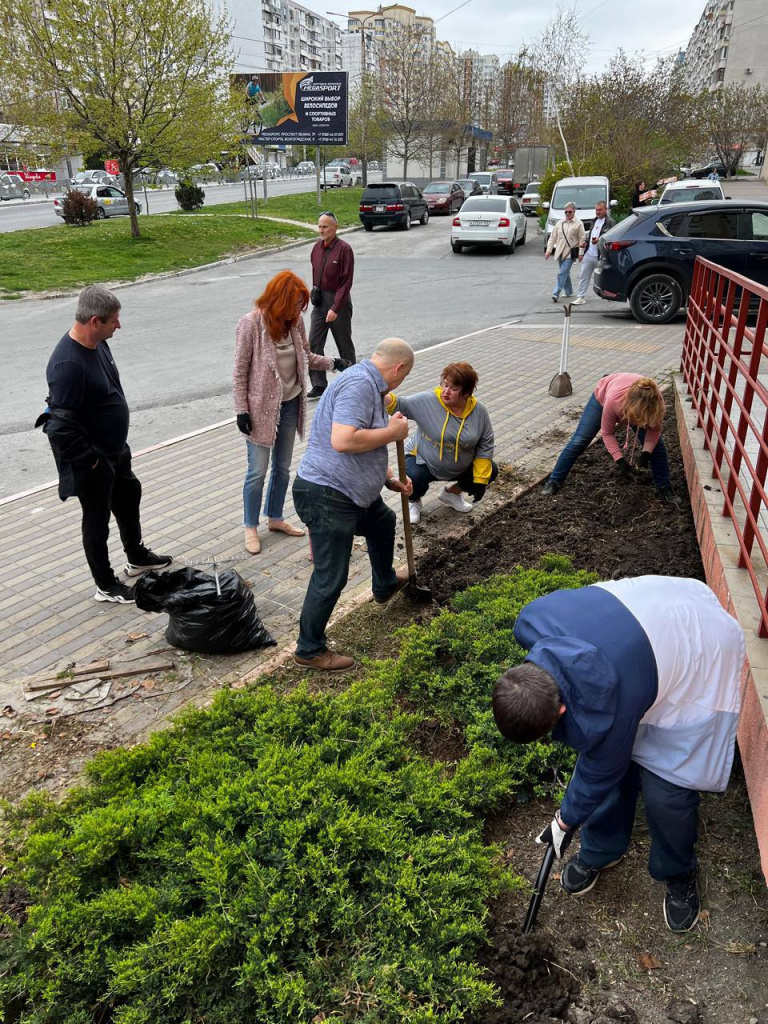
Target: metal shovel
{"x": 560, "y": 386}
{"x": 538, "y": 889}
{"x": 415, "y": 589}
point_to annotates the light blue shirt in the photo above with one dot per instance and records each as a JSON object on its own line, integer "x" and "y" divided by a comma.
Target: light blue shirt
{"x": 356, "y": 399}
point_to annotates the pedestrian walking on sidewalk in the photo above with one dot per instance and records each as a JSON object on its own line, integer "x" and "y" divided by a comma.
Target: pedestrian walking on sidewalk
{"x": 453, "y": 440}
{"x": 337, "y": 493}
{"x": 269, "y": 385}
{"x": 632, "y": 401}
{"x": 642, "y": 677}
{"x": 567, "y": 242}
{"x": 86, "y": 423}
{"x": 602, "y": 224}
{"x": 333, "y": 270}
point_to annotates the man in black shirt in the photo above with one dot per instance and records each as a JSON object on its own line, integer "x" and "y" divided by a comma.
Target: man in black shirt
{"x": 87, "y": 426}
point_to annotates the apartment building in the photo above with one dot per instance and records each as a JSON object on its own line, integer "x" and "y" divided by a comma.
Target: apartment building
{"x": 729, "y": 44}
{"x": 384, "y": 26}
{"x": 280, "y": 35}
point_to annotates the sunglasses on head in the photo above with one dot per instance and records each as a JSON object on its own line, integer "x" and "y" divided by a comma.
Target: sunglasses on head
{"x": 329, "y": 213}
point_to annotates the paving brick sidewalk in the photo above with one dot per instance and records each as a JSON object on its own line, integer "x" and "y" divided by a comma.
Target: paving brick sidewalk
{"x": 192, "y": 506}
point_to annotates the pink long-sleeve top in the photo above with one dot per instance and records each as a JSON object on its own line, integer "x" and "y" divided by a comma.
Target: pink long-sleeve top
{"x": 610, "y": 393}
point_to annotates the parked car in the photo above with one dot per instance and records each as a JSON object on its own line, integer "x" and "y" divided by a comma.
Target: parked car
{"x": 487, "y": 180}
{"x": 489, "y": 220}
{"x": 338, "y": 175}
{"x": 305, "y": 167}
{"x": 273, "y": 169}
{"x": 647, "y": 259}
{"x": 506, "y": 180}
{"x": 443, "y": 196}
{"x": 373, "y": 165}
{"x": 470, "y": 187}
{"x": 584, "y": 193}
{"x": 690, "y": 190}
{"x": 394, "y": 203}
{"x": 530, "y": 199}
{"x": 165, "y": 176}
{"x": 13, "y": 186}
{"x": 111, "y": 201}
{"x": 704, "y": 172}
{"x": 95, "y": 177}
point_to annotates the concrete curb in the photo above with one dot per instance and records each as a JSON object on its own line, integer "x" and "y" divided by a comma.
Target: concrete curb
{"x": 168, "y": 274}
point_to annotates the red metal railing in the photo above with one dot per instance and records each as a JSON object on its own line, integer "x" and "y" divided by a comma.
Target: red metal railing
{"x": 724, "y": 357}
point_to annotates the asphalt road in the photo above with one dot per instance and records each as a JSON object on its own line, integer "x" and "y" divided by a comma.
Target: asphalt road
{"x": 176, "y": 345}
{"x": 17, "y": 214}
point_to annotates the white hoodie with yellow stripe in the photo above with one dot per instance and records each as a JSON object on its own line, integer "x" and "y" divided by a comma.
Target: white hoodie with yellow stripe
{"x": 445, "y": 442}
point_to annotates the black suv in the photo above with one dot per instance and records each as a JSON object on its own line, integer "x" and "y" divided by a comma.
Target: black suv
{"x": 395, "y": 203}
{"x": 648, "y": 258}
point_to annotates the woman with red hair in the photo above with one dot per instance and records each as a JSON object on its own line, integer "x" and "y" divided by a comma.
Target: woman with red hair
{"x": 272, "y": 359}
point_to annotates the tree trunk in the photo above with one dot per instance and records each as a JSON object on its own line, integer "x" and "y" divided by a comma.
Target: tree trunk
{"x": 126, "y": 163}
{"x": 405, "y": 163}
{"x": 562, "y": 136}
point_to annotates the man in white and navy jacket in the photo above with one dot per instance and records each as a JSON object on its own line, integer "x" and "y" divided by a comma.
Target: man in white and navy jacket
{"x": 642, "y": 677}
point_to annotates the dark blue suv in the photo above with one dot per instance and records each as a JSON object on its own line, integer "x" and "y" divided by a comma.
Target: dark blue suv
{"x": 648, "y": 258}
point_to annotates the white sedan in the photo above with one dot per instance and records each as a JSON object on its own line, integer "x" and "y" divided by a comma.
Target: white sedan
{"x": 489, "y": 220}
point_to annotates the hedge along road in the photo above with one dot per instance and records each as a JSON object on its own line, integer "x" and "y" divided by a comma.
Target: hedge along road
{"x": 176, "y": 345}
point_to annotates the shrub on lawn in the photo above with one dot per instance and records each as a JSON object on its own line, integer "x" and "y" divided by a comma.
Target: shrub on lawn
{"x": 189, "y": 196}
{"x": 78, "y": 209}
{"x": 280, "y": 859}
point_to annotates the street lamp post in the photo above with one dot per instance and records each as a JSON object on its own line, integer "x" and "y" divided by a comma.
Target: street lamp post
{"x": 375, "y": 14}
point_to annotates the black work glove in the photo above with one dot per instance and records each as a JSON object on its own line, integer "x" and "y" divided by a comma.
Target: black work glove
{"x": 244, "y": 422}
{"x": 340, "y": 365}
{"x": 624, "y": 468}
{"x": 643, "y": 460}
{"x": 557, "y": 837}
{"x": 477, "y": 491}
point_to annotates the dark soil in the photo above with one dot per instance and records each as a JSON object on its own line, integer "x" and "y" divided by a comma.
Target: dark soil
{"x": 612, "y": 527}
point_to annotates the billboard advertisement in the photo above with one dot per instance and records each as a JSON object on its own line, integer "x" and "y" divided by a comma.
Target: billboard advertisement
{"x": 294, "y": 108}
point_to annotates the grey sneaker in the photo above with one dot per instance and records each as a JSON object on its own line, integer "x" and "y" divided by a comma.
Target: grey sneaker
{"x": 550, "y": 487}
{"x": 577, "y": 877}
{"x": 681, "y": 902}
{"x": 118, "y": 593}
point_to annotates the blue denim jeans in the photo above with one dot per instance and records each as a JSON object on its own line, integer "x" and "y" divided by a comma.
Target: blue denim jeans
{"x": 421, "y": 477}
{"x": 563, "y": 283}
{"x": 258, "y": 463}
{"x": 333, "y": 521}
{"x": 584, "y": 434}
{"x": 672, "y": 814}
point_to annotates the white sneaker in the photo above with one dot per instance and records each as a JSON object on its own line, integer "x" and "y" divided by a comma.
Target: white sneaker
{"x": 579, "y": 302}
{"x": 454, "y": 501}
{"x": 414, "y": 512}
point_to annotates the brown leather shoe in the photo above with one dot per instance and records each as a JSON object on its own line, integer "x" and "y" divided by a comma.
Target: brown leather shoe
{"x": 281, "y": 526}
{"x": 326, "y": 662}
{"x": 252, "y": 542}
{"x": 402, "y": 582}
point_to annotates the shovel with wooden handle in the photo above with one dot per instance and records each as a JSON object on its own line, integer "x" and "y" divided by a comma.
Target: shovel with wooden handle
{"x": 415, "y": 589}
{"x": 560, "y": 386}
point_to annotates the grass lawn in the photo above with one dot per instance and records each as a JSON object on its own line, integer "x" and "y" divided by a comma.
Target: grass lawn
{"x": 54, "y": 258}
{"x": 345, "y": 203}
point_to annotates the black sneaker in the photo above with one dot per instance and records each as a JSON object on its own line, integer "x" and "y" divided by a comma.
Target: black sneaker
{"x": 315, "y": 393}
{"x": 117, "y": 593}
{"x": 550, "y": 487}
{"x": 681, "y": 902}
{"x": 669, "y": 497}
{"x": 578, "y": 877}
{"x": 149, "y": 560}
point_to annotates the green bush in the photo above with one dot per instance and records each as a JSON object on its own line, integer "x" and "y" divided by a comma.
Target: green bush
{"x": 189, "y": 196}
{"x": 78, "y": 209}
{"x": 275, "y": 858}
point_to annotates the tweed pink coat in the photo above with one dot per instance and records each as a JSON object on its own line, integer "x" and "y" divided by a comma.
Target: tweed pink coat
{"x": 256, "y": 384}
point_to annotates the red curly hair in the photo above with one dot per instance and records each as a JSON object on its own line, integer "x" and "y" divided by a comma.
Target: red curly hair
{"x": 279, "y": 303}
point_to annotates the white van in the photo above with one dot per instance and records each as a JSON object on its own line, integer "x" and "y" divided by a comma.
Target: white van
{"x": 583, "y": 193}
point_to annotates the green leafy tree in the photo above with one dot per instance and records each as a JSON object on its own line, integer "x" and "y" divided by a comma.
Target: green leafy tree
{"x": 737, "y": 116}
{"x": 145, "y": 81}
{"x": 367, "y": 122}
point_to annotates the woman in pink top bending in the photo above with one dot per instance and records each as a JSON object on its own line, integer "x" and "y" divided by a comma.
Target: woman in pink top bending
{"x": 621, "y": 399}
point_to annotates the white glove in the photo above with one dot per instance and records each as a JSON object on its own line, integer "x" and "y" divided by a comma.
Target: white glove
{"x": 556, "y": 836}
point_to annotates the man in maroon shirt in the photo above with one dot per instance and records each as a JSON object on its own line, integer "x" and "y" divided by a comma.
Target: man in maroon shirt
{"x": 333, "y": 267}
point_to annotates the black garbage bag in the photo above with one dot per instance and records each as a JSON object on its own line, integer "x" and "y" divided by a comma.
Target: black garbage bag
{"x": 201, "y": 619}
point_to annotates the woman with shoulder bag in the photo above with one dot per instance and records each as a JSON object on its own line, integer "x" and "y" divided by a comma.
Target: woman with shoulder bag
{"x": 568, "y": 242}
{"x": 272, "y": 358}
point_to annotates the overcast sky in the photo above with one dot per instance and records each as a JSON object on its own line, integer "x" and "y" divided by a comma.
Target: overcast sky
{"x": 657, "y": 27}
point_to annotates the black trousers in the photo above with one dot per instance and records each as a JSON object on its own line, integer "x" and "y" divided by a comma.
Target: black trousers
{"x": 341, "y": 329}
{"x": 110, "y": 489}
